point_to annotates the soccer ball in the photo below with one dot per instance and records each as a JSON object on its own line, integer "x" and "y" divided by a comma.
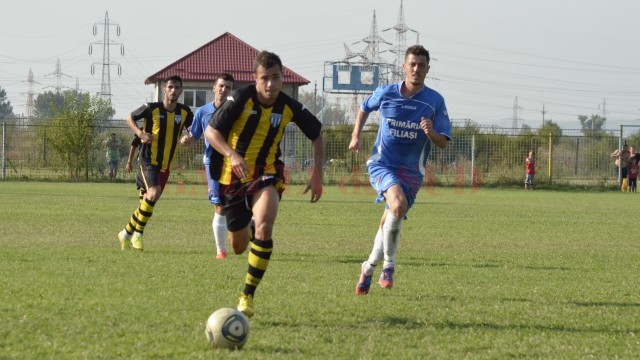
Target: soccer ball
{"x": 227, "y": 328}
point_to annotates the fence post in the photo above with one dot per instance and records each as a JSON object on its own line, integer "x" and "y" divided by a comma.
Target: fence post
{"x": 473, "y": 157}
{"x": 620, "y": 156}
{"x": 550, "y": 156}
{"x": 4, "y": 150}
{"x": 575, "y": 166}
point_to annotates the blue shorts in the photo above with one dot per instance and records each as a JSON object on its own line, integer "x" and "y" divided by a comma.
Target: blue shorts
{"x": 213, "y": 185}
{"x": 382, "y": 178}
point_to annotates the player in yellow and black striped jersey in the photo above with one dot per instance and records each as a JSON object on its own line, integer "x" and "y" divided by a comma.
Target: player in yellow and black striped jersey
{"x": 166, "y": 127}
{"x": 255, "y": 132}
{"x": 159, "y": 134}
{"x": 246, "y": 132}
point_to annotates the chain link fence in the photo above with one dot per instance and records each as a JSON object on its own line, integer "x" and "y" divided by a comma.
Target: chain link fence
{"x": 475, "y": 157}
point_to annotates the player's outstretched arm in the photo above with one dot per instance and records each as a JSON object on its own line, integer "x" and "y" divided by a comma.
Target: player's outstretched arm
{"x": 361, "y": 119}
{"x": 315, "y": 184}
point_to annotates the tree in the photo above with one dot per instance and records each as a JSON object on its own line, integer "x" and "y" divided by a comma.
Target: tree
{"x": 592, "y": 125}
{"x": 526, "y": 130}
{"x": 6, "y": 110}
{"x": 49, "y": 103}
{"x": 74, "y": 130}
{"x": 550, "y": 127}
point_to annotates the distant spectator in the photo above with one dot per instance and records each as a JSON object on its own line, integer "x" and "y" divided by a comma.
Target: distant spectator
{"x": 113, "y": 156}
{"x": 633, "y": 153}
{"x": 622, "y": 161}
{"x": 633, "y": 175}
{"x": 530, "y": 163}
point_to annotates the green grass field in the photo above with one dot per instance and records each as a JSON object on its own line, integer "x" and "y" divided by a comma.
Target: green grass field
{"x": 481, "y": 274}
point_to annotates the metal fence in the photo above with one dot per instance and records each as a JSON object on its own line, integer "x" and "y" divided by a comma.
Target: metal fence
{"x": 477, "y": 157}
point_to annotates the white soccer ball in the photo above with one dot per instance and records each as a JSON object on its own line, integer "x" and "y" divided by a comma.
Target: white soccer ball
{"x": 227, "y": 328}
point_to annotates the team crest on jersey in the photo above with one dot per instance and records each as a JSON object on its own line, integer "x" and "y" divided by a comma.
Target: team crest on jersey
{"x": 178, "y": 119}
{"x": 275, "y": 120}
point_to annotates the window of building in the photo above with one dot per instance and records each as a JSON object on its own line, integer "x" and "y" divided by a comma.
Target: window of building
{"x": 195, "y": 98}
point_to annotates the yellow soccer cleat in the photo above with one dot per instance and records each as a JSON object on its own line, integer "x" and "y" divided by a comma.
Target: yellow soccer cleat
{"x": 136, "y": 241}
{"x": 125, "y": 240}
{"x": 246, "y": 305}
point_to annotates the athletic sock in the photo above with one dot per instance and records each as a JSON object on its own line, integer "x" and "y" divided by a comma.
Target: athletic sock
{"x": 219, "y": 225}
{"x": 376, "y": 255}
{"x": 259, "y": 256}
{"x": 140, "y": 217}
{"x": 390, "y": 239}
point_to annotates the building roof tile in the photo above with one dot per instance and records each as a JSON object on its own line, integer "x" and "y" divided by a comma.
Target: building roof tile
{"x": 225, "y": 53}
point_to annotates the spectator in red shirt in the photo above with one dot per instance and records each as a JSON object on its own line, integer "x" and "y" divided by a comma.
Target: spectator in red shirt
{"x": 530, "y": 163}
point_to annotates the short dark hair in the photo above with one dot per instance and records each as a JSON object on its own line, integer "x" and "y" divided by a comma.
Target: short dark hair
{"x": 174, "y": 78}
{"x": 417, "y": 50}
{"x": 267, "y": 60}
{"x": 226, "y": 77}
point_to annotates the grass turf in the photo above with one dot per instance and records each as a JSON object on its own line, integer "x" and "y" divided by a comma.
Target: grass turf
{"x": 481, "y": 274}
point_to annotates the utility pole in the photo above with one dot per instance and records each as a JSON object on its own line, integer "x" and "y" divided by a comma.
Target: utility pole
{"x": 400, "y": 46}
{"x": 543, "y": 112}
{"x": 105, "y": 88}
{"x": 30, "y": 101}
{"x": 604, "y": 111}
{"x": 516, "y": 108}
{"x": 604, "y": 115}
{"x": 58, "y": 74}
{"x": 315, "y": 94}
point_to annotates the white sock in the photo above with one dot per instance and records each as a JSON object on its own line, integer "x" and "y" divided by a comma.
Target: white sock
{"x": 219, "y": 226}
{"x": 376, "y": 254}
{"x": 390, "y": 239}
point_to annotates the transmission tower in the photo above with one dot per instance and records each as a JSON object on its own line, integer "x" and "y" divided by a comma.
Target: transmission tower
{"x": 400, "y": 46}
{"x": 350, "y": 54}
{"x": 105, "y": 88}
{"x": 516, "y": 108}
{"x": 58, "y": 74}
{"x": 371, "y": 53}
{"x": 30, "y": 103}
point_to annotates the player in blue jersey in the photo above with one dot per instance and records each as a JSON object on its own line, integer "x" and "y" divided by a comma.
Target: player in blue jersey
{"x": 412, "y": 117}
{"x": 221, "y": 89}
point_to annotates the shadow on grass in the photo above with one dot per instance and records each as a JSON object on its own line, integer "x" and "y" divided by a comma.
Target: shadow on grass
{"x": 604, "y": 304}
{"x": 401, "y": 322}
{"x": 553, "y": 268}
{"x": 552, "y": 328}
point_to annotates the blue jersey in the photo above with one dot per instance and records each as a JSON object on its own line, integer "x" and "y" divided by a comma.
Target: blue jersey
{"x": 401, "y": 146}
{"x": 200, "y": 122}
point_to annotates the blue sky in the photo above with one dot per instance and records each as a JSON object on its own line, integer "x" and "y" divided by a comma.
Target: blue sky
{"x": 572, "y": 57}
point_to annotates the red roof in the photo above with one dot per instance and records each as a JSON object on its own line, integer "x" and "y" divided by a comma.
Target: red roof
{"x": 225, "y": 53}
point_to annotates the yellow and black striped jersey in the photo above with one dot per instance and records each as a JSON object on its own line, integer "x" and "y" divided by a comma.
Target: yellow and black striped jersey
{"x": 166, "y": 127}
{"x": 255, "y": 131}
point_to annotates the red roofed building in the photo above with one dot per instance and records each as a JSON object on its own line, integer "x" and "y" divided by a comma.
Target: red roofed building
{"x": 199, "y": 69}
